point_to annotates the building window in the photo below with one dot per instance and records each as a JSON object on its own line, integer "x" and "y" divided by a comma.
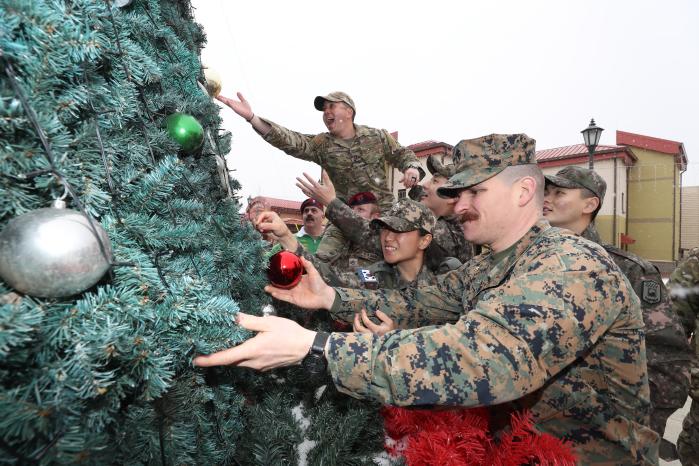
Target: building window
{"x": 401, "y": 194}
{"x": 623, "y": 204}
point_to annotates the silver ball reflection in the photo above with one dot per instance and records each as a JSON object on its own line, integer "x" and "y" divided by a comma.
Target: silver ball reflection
{"x": 53, "y": 252}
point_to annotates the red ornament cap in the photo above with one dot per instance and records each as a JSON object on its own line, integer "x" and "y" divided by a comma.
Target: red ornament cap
{"x": 285, "y": 270}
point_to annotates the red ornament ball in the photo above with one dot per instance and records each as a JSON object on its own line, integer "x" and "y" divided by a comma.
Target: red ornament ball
{"x": 285, "y": 270}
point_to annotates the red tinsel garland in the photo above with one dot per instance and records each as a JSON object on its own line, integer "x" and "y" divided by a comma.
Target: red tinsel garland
{"x": 461, "y": 437}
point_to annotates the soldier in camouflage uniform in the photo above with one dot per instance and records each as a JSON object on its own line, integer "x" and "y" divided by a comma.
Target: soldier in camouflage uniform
{"x": 684, "y": 288}
{"x": 356, "y": 157}
{"x": 573, "y": 198}
{"x": 448, "y": 238}
{"x": 544, "y": 321}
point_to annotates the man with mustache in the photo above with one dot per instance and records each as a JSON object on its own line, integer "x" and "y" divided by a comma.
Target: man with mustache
{"x": 573, "y": 197}
{"x": 544, "y": 321}
{"x": 354, "y": 156}
{"x": 312, "y": 232}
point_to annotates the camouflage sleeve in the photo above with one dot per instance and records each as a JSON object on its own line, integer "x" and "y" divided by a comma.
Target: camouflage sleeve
{"x": 332, "y": 245}
{"x": 409, "y": 308}
{"x": 399, "y": 156}
{"x": 354, "y": 227}
{"x": 684, "y": 289}
{"x": 302, "y": 146}
{"x": 507, "y": 346}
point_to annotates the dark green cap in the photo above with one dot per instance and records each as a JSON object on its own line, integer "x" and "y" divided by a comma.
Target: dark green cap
{"x": 406, "y": 215}
{"x": 573, "y": 177}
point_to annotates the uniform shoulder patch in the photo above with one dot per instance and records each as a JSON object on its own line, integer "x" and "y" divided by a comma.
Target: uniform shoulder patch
{"x": 651, "y": 292}
{"x": 320, "y": 140}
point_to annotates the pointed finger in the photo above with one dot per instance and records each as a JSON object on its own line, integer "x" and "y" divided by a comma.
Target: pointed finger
{"x": 311, "y": 180}
{"x": 226, "y": 357}
{"x": 383, "y": 317}
{"x": 326, "y": 178}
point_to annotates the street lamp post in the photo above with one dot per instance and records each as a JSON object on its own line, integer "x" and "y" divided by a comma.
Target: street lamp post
{"x": 591, "y": 136}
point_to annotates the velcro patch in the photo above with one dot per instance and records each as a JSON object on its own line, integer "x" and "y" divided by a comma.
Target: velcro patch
{"x": 651, "y": 292}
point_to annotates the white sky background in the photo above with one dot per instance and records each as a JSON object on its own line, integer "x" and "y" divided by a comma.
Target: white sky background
{"x": 447, "y": 71}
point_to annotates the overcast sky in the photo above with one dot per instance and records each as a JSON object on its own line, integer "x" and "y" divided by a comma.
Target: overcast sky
{"x": 454, "y": 70}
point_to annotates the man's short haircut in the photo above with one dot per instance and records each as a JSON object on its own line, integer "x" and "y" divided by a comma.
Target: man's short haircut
{"x": 353, "y": 112}
{"x": 514, "y": 173}
{"x": 587, "y": 194}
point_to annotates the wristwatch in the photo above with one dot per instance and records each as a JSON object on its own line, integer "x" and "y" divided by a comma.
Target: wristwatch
{"x": 315, "y": 362}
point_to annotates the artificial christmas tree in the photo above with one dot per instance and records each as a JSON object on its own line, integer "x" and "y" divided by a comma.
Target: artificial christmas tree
{"x": 103, "y": 375}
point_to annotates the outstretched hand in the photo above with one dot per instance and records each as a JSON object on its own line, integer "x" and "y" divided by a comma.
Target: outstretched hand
{"x": 280, "y": 342}
{"x": 411, "y": 176}
{"x": 323, "y": 193}
{"x": 365, "y": 325}
{"x": 241, "y": 107}
{"x": 311, "y": 292}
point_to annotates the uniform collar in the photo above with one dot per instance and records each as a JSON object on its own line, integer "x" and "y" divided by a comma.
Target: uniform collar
{"x": 498, "y": 272}
{"x": 591, "y": 233}
{"x": 359, "y": 131}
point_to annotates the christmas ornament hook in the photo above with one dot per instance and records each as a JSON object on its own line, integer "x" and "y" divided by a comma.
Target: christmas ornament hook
{"x": 60, "y": 203}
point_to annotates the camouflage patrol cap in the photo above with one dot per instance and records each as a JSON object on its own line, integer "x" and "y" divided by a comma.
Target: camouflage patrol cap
{"x": 336, "y": 96}
{"x": 406, "y": 215}
{"x": 436, "y": 167}
{"x": 573, "y": 177}
{"x": 477, "y": 160}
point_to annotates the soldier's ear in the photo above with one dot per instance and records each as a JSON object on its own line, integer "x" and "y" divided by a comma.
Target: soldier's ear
{"x": 424, "y": 241}
{"x": 591, "y": 204}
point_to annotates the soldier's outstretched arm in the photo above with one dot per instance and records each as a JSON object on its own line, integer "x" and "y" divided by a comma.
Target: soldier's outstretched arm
{"x": 410, "y": 308}
{"x": 243, "y": 108}
{"x": 507, "y": 346}
{"x": 301, "y": 146}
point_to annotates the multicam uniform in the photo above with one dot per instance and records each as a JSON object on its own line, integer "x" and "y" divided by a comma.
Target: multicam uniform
{"x": 667, "y": 350}
{"x": 684, "y": 287}
{"x": 447, "y": 237}
{"x": 353, "y": 165}
{"x": 549, "y": 325}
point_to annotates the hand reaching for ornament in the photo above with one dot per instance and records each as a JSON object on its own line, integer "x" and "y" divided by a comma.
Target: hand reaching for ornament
{"x": 365, "y": 325}
{"x": 311, "y": 292}
{"x": 280, "y": 342}
{"x": 270, "y": 223}
{"x": 242, "y": 107}
{"x": 323, "y": 193}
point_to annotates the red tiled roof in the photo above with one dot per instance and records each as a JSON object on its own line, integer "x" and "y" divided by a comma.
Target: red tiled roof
{"x": 425, "y": 148}
{"x": 647, "y": 142}
{"x": 278, "y": 203}
{"x": 575, "y": 150}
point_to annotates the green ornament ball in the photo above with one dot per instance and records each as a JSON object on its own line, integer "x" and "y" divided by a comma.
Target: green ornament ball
{"x": 185, "y": 130}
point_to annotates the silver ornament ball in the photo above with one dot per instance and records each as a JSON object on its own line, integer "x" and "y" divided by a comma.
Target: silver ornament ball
{"x": 53, "y": 252}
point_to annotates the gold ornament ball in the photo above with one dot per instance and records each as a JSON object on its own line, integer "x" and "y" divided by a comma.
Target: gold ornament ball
{"x": 213, "y": 82}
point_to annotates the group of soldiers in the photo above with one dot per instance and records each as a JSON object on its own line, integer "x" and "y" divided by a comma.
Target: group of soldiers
{"x": 545, "y": 317}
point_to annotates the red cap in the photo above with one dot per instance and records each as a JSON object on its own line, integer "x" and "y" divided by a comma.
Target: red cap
{"x": 364, "y": 197}
{"x": 310, "y": 202}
